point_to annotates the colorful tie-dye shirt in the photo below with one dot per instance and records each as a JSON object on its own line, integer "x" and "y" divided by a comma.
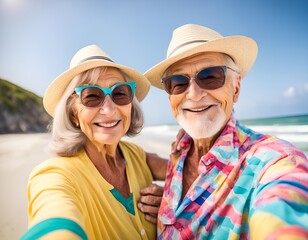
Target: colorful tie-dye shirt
{"x": 250, "y": 186}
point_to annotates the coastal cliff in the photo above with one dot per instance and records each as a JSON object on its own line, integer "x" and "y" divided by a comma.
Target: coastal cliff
{"x": 21, "y": 111}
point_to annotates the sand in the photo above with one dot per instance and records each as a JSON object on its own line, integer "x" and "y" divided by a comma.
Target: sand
{"x": 19, "y": 153}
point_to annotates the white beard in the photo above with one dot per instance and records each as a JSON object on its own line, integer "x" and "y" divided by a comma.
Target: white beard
{"x": 202, "y": 126}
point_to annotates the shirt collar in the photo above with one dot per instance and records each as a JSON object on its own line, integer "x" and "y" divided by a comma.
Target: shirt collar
{"x": 224, "y": 149}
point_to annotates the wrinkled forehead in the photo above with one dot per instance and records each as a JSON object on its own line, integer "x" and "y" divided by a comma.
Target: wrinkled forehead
{"x": 204, "y": 59}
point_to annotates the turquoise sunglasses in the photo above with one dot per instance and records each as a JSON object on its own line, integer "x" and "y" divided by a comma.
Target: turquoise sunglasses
{"x": 94, "y": 95}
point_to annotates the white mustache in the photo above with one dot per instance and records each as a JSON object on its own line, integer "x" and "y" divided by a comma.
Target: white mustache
{"x": 194, "y": 105}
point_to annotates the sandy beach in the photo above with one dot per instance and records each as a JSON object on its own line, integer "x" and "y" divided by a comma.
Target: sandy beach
{"x": 19, "y": 153}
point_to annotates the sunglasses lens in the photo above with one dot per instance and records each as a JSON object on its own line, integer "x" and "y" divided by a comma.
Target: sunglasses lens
{"x": 211, "y": 78}
{"x": 92, "y": 97}
{"x": 122, "y": 94}
{"x": 208, "y": 78}
{"x": 176, "y": 84}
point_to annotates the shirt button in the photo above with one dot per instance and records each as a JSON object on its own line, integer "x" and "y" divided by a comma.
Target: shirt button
{"x": 208, "y": 162}
{"x": 142, "y": 232}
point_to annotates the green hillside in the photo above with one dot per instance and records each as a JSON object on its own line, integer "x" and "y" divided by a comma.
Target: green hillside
{"x": 21, "y": 111}
{"x": 11, "y": 94}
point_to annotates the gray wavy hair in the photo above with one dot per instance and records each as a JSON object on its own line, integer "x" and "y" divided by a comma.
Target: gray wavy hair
{"x": 67, "y": 140}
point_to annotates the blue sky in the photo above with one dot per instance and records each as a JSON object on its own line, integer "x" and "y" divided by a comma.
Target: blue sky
{"x": 38, "y": 39}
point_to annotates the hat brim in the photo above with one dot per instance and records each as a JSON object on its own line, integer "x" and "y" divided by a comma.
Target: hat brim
{"x": 241, "y": 49}
{"x": 57, "y": 87}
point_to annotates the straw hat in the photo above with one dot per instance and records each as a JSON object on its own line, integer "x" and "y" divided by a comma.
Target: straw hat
{"x": 87, "y": 58}
{"x": 191, "y": 39}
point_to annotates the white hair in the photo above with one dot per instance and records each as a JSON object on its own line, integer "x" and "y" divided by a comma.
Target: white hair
{"x": 67, "y": 139}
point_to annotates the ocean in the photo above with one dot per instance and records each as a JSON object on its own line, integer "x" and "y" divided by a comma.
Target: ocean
{"x": 293, "y": 129}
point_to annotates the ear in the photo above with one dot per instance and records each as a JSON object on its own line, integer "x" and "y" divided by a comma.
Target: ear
{"x": 74, "y": 118}
{"x": 75, "y": 121}
{"x": 237, "y": 88}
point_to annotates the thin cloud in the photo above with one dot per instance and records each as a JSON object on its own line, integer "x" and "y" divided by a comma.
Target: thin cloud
{"x": 290, "y": 92}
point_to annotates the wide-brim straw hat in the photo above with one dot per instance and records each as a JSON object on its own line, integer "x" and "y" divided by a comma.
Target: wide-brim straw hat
{"x": 87, "y": 58}
{"x": 191, "y": 39}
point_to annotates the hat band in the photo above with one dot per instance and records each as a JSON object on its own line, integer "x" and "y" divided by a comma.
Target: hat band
{"x": 184, "y": 44}
{"x": 95, "y": 57}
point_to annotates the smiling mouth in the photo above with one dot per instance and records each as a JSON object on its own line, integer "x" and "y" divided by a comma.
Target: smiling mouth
{"x": 108, "y": 125}
{"x": 197, "y": 110}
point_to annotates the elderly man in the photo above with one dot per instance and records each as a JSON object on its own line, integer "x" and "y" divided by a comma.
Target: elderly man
{"x": 227, "y": 182}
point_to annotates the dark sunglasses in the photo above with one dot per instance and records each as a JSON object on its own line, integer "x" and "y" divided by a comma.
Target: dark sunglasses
{"x": 94, "y": 96}
{"x": 208, "y": 78}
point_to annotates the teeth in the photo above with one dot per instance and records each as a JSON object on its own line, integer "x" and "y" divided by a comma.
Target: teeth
{"x": 199, "y": 110}
{"x": 107, "y": 125}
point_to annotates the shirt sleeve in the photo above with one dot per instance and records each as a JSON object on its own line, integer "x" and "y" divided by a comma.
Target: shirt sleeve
{"x": 279, "y": 206}
{"x": 54, "y": 207}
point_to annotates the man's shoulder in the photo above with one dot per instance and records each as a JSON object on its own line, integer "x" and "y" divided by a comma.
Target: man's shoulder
{"x": 252, "y": 138}
{"x": 265, "y": 146}
{"x": 270, "y": 149}
{"x": 270, "y": 143}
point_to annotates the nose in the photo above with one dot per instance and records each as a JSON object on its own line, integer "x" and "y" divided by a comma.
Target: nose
{"x": 108, "y": 106}
{"x": 194, "y": 92}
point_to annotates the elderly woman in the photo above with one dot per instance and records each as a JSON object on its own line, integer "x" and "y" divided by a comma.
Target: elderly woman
{"x": 90, "y": 190}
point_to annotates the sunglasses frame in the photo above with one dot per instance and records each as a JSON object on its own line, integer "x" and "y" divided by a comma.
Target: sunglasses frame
{"x": 106, "y": 91}
{"x": 224, "y": 68}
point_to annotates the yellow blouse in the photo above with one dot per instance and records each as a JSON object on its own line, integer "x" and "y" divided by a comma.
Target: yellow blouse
{"x": 68, "y": 198}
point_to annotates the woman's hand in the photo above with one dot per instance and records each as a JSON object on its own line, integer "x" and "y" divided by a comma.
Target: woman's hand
{"x": 176, "y": 145}
{"x": 149, "y": 202}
